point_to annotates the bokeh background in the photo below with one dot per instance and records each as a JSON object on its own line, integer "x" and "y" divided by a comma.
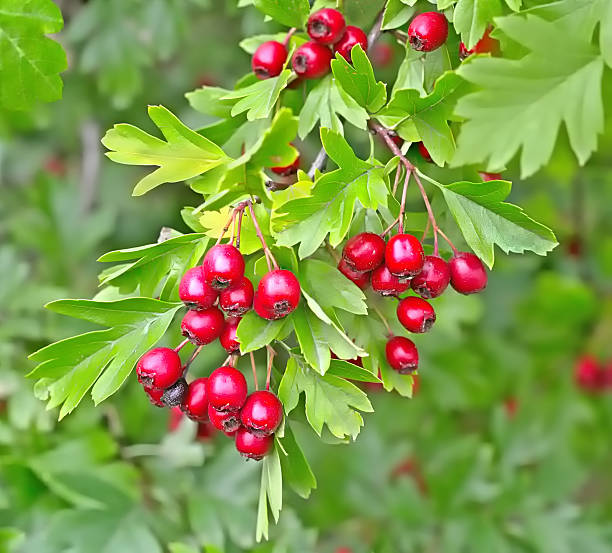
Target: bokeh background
{"x": 503, "y": 449}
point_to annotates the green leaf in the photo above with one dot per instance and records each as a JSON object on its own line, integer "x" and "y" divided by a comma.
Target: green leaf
{"x": 210, "y": 100}
{"x": 396, "y": 14}
{"x": 411, "y": 73}
{"x": 310, "y": 333}
{"x": 296, "y": 470}
{"x": 185, "y": 155}
{"x": 254, "y": 332}
{"x": 472, "y": 17}
{"x": 271, "y": 493}
{"x": 292, "y": 13}
{"x": 605, "y": 32}
{"x": 30, "y": 62}
{"x": 346, "y": 369}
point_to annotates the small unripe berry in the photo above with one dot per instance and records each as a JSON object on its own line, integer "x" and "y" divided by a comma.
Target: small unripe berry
{"x": 428, "y": 31}
{"x": 433, "y": 278}
{"x": 223, "y": 266}
{"x": 326, "y": 26}
{"x": 351, "y": 37}
{"x": 360, "y": 278}
{"x": 195, "y": 404}
{"x": 402, "y": 355}
{"x": 194, "y": 292}
{"x": 175, "y": 394}
{"x": 159, "y": 368}
{"x": 468, "y": 275}
{"x": 404, "y": 255}
{"x": 278, "y": 294}
{"x": 238, "y": 298}
{"x": 311, "y": 60}
{"x": 252, "y": 446}
{"x": 262, "y": 413}
{"x": 228, "y": 339}
{"x": 226, "y": 389}
{"x": 424, "y": 152}
{"x": 226, "y": 421}
{"x": 387, "y": 284}
{"x": 202, "y": 327}
{"x": 416, "y": 314}
{"x": 269, "y": 59}
{"x": 364, "y": 251}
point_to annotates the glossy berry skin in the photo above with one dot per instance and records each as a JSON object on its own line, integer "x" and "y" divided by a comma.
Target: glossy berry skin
{"x": 238, "y": 298}
{"x": 252, "y": 446}
{"x": 416, "y": 314}
{"x": 195, "y": 404}
{"x": 387, "y": 284}
{"x": 262, "y": 413}
{"x": 364, "y": 251}
{"x": 226, "y": 389}
{"x": 361, "y": 279}
{"x": 404, "y": 256}
{"x": 326, "y": 26}
{"x": 468, "y": 274}
{"x": 486, "y": 45}
{"x": 428, "y": 31}
{"x": 228, "y": 336}
{"x": 269, "y": 59}
{"x": 202, "y": 327}
{"x": 226, "y": 421}
{"x": 223, "y": 266}
{"x": 424, "y": 152}
{"x": 402, "y": 355}
{"x": 194, "y": 292}
{"x": 311, "y": 60}
{"x": 287, "y": 169}
{"x": 154, "y": 396}
{"x": 351, "y": 37}
{"x": 159, "y": 368}
{"x": 433, "y": 278}
{"x": 278, "y": 294}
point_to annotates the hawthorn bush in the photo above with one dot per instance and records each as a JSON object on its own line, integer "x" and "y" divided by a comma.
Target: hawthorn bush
{"x": 321, "y": 292}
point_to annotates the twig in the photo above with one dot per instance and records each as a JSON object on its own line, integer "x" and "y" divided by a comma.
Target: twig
{"x": 254, "y": 371}
{"x": 266, "y": 250}
{"x": 180, "y": 346}
{"x": 288, "y": 36}
{"x": 398, "y": 173}
{"x": 191, "y": 359}
{"x": 318, "y": 163}
{"x": 226, "y": 227}
{"x": 240, "y": 215}
{"x": 403, "y": 203}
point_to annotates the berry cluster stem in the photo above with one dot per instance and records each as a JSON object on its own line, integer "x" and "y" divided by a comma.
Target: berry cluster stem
{"x": 181, "y": 345}
{"x": 288, "y": 36}
{"x": 267, "y": 253}
{"x": 271, "y": 355}
{"x": 191, "y": 359}
{"x": 254, "y": 371}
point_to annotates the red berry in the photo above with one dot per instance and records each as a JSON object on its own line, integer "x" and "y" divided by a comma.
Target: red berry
{"x": 326, "y": 26}
{"x": 287, "y": 169}
{"x": 486, "y": 45}
{"x": 226, "y": 389}
{"x": 194, "y": 292}
{"x": 511, "y": 405}
{"x": 154, "y": 396}
{"x": 416, "y": 314}
{"x": 359, "y": 278}
{"x": 351, "y": 37}
{"x": 382, "y": 54}
{"x": 428, "y": 31}
{"x": 467, "y": 272}
{"x": 588, "y": 374}
{"x": 424, "y": 152}
{"x": 262, "y": 413}
{"x": 226, "y": 421}
{"x": 404, "y": 255}
{"x": 223, "y": 266}
{"x": 252, "y": 446}
{"x": 364, "y": 251}
{"x": 433, "y": 278}
{"x": 202, "y": 327}
{"x": 195, "y": 404}
{"x": 278, "y": 294}
{"x": 238, "y": 298}
{"x": 176, "y": 416}
{"x": 205, "y": 431}
{"x": 486, "y": 177}
{"x": 607, "y": 376}
{"x": 311, "y": 60}
{"x": 387, "y": 284}
{"x": 159, "y": 368}
{"x": 402, "y": 355}
{"x": 228, "y": 336}
{"x": 269, "y": 59}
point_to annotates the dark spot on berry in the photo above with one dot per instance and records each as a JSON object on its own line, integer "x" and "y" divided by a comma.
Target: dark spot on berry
{"x": 428, "y": 323}
{"x": 300, "y": 63}
{"x": 175, "y": 394}
{"x": 416, "y": 43}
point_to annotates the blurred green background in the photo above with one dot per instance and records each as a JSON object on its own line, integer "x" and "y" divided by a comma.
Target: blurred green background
{"x": 499, "y": 451}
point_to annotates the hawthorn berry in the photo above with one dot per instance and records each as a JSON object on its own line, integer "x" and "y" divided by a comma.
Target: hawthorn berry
{"x": 428, "y": 31}
{"x": 175, "y": 394}
{"x": 404, "y": 255}
{"x": 238, "y": 298}
{"x": 364, "y": 251}
{"x": 287, "y": 170}
{"x": 262, "y": 413}
{"x": 154, "y": 395}
{"x": 402, "y": 355}
{"x": 486, "y": 45}
{"x": 387, "y": 284}
{"x": 424, "y": 152}
{"x": 228, "y": 336}
{"x": 269, "y": 59}
{"x": 588, "y": 374}
{"x": 202, "y": 327}
{"x": 416, "y": 314}
{"x": 195, "y": 404}
{"x": 253, "y": 446}
{"x": 326, "y": 26}
{"x": 223, "y": 266}
{"x": 159, "y": 368}
{"x": 486, "y": 177}
{"x": 226, "y": 421}
{"x": 278, "y": 294}
{"x": 194, "y": 292}
{"x": 351, "y": 37}
{"x": 433, "y": 278}
{"x": 176, "y": 416}
{"x": 382, "y": 54}
{"x": 360, "y": 278}
{"x": 311, "y": 60}
{"x": 467, "y": 273}
{"x": 226, "y": 389}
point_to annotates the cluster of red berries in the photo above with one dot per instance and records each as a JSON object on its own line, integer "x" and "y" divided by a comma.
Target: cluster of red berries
{"x": 394, "y": 267}
{"x": 591, "y": 376}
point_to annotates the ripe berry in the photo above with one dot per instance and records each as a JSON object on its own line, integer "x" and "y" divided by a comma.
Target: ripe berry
{"x": 228, "y": 336}
{"x": 278, "y": 294}
{"x": 416, "y": 314}
{"x": 202, "y": 327}
{"x": 364, "y": 251}
{"x": 159, "y": 368}
{"x": 262, "y": 413}
{"x": 205, "y": 431}
{"x": 486, "y": 45}
{"x": 467, "y": 273}
{"x": 311, "y": 60}
{"x": 194, "y": 292}
{"x": 424, "y": 152}
{"x": 588, "y": 374}
{"x": 238, "y": 298}
{"x": 287, "y": 169}
{"x": 269, "y": 59}
{"x": 226, "y": 421}
{"x": 402, "y": 355}
{"x": 359, "y": 278}
{"x": 382, "y": 54}
{"x": 175, "y": 394}
{"x": 404, "y": 255}
{"x": 252, "y": 446}
{"x": 351, "y": 37}
{"x": 326, "y": 26}
{"x": 154, "y": 396}
{"x": 226, "y": 389}
{"x": 196, "y": 400}
{"x": 386, "y": 284}
{"x": 428, "y": 31}
{"x": 486, "y": 177}
{"x": 223, "y": 266}
{"x": 433, "y": 278}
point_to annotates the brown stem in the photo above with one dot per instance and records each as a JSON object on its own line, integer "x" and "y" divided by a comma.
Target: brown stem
{"x": 240, "y": 215}
{"x": 455, "y": 251}
{"x": 254, "y": 371}
{"x": 288, "y": 36}
{"x": 271, "y": 355}
{"x": 430, "y": 213}
{"x": 181, "y": 345}
{"x": 398, "y": 173}
{"x": 266, "y": 250}
{"x": 226, "y": 227}
{"x": 191, "y": 359}
{"x": 383, "y": 320}
{"x": 403, "y": 203}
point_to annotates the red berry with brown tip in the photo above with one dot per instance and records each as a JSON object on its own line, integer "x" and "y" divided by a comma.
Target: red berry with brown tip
{"x": 269, "y": 59}
{"x": 402, "y": 355}
{"x": 226, "y": 421}
{"x": 195, "y": 404}
{"x": 278, "y": 294}
{"x": 424, "y": 152}
{"x": 387, "y": 284}
{"x": 194, "y": 292}
{"x": 202, "y": 327}
{"x": 326, "y": 26}
{"x": 404, "y": 255}
{"x": 433, "y": 278}
{"x": 262, "y": 413}
{"x": 223, "y": 266}
{"x": 252, "y": 446}
{"x": 364, "y": 251}
{"x": 468, "y": 274}
{"x": 226, "y": 389}
{"x": 360, "y": 278}
{"x": 351, "y": 37}
{"x": 154, "y": 396}
{"x": 311, "y": 60}
{"x": 238, "y": 298}
{"x": 159, "y": 368}
{"x": 416, "y": 314}
{"x": 428, "y": 31}
{"x": 228, "y": 339}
